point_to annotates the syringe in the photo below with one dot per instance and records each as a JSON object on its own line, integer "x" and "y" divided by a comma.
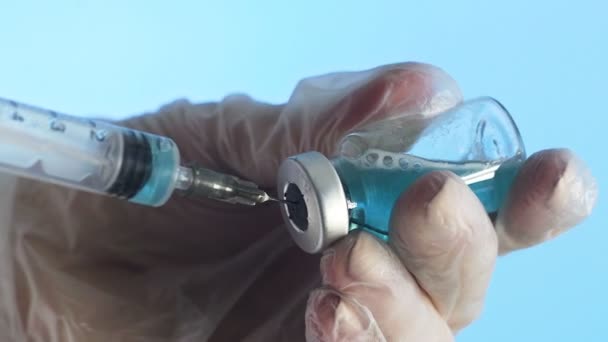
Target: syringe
{"x": 102, "y": 158}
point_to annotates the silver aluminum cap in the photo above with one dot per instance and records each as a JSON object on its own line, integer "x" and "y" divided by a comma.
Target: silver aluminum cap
{"x": 317, "y": 212}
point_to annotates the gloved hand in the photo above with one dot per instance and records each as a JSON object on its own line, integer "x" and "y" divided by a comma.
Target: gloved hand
{"x": 80, "y": 267}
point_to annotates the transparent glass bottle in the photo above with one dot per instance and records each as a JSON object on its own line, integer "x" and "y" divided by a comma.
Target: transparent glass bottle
{"x": 326, "y": 199}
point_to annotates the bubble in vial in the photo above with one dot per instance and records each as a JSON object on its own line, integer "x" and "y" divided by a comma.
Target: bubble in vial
{"x": 372, "y": 158}
{"x": 387, "y": 161}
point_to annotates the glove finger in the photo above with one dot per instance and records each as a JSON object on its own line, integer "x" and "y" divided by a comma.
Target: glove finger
{"x": 331, "y": 316}
{"x": 370, "y": 296}
{"x": 223, "y": 136}
{"x": 553, "y": 192}
{"x": 250, "y": 138}
{"x": 324, "y": 110}
{"x": 444, "y": 237}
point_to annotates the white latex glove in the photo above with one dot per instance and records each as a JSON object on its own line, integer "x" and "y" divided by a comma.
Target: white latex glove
{"x": 79, "y": 267}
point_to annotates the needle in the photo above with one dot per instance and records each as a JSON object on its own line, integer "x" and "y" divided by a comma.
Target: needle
{"x": 274, "y": 199}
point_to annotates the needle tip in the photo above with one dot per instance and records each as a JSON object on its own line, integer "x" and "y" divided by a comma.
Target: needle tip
{"x": 274, "y": 199}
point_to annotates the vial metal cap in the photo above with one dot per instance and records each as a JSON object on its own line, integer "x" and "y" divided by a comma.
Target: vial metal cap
{"x": 315, "y": 209}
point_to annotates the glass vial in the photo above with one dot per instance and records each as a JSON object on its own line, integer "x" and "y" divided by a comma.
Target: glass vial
{"x": 327, "y": 198}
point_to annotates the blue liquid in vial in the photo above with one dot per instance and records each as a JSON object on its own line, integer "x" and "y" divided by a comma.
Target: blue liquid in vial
{"x": 374, "y": 182}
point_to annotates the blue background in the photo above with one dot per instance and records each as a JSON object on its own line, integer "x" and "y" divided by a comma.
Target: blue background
{"x": 545, "y": 60}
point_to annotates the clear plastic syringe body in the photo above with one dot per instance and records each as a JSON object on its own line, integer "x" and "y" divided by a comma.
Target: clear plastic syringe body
{"x": 99, "y": 157}
{"x": 89, "y": 155}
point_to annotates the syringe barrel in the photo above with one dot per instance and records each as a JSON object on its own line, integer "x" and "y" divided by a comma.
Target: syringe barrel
{"x": 88, "y": 155}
